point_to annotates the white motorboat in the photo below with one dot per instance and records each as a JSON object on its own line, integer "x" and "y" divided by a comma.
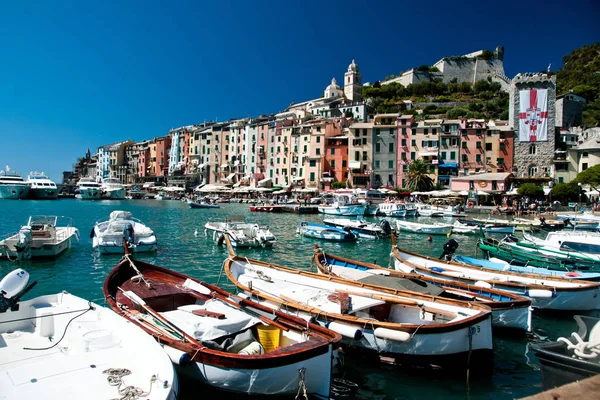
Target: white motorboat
{"x": 12, "y": 185}
{"x": 41, "y": 187}
{"x": 60, "y": 346}
{"x": 343, "y": 206}
{"x": 88, "y": 189}
{"x": 241, "y": 233}
{"x": 112, "y": 189}
{"x": 362, "y": 228}
{"x": 109, "y": 236}
{"x": 392, "y": 209}
{"x": 42, "y": 236}
{"x": 486, "y": 227}
{"x": 426, "y": 210}
{"x": 449, "y": 211}
{"x": 586, "y": 243}
{"x": 417, "y": 330}
{"x": 163, "y": 196}
{"x": 326, "y": 232}
{"x": 546, "y": 292}
{"x": 429, "y": 229}
{"x": 464, "y": 229}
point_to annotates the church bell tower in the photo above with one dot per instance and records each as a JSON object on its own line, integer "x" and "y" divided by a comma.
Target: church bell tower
{"x": 353, "y": 83}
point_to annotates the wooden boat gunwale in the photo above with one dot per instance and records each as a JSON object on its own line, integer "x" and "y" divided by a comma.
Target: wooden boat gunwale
{"x": 315, "y": 312}
{"x": 519, "y": 301}
{"x": 583, "y": 285}
{"x": 319, "y": 343}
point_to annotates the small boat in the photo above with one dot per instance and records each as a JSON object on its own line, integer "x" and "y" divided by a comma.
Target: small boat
{"x": 416, "y": 330}
{"x": 220, "y": 339}
{"x": 465, "y": 229}
{"x": 241, "y": 233}
{"x": 450, "y": 211}
{"x": 501, "y": 265}
{"x": 428, "y": 229}
{"x": 42, "y": 236}
{"x": 528, "y": 253}
{"x": 362, "y": 228}
{"x": 392, "y": 210}
{"x": 267, "y": 208}
{"x": 108, "y": 236}
{"x": 545, "y": 292}
{"x": 569, "y": 360}
{"x": 162, "y": 196}
{"x": 41, "y": 187}
{"x": 12, "y": 185}
{"x": 60, "y": 346}
{"x": 426, "y": 210}
{"x": 489, "y": 227}
{"x": 88, "y": 189}
{"x": 508, "y": 310}
{"x": 326, "y": 232}
{"x": 343, "y": 206}
{"x": 584, "y": 221}
{"x": 112, "y": 189}
{"x": 202, "y": 204}
{"x": 586, "y": 243}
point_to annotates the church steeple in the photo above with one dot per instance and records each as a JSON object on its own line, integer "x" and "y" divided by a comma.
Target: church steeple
{"x": 353, "y": 83}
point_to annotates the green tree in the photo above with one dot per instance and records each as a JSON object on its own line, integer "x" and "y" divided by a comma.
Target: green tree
{"x": 590, "y": 176}
{"x": 456, "y": 113}
{"x": 565, "y": 191}
{"x": 531, "y": 190}
{"x": 586, "y": 91}
{"x": 338, "y": 185}
{"x": 418, "y": 176}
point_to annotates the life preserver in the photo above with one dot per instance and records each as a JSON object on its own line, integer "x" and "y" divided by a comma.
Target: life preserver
{"x": 470, "y": 204}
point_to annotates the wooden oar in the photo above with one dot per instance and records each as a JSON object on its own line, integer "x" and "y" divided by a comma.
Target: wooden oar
{"x": 262, "y": 315}
{"x": 138, "y": 300}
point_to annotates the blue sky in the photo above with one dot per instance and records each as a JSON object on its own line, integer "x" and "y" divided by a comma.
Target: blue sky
{"x": 80, "y": 74}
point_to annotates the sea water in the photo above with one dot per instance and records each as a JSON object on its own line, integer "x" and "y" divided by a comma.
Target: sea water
{"x": 81, "y": 271}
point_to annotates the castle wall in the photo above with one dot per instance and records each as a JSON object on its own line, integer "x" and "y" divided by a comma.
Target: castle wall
{"x": 544, "y": 150}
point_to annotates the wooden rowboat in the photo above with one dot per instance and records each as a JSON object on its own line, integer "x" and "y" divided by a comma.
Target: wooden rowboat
{"x": 221, "y": 339}
{"x": 415, "y": 330}
{"x": 546, "y": 292}
{"x": 508, "y": 309}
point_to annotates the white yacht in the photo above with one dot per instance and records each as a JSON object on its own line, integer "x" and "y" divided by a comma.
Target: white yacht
{"x": 88, "y": 189}
{"x": 112, "y": 189}
{"x": 240, "y": 232}
{"x": 12, "y": 185}
{"x": 41, "y": 187}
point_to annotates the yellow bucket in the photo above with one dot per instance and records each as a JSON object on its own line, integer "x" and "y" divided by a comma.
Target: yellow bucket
{"x": 268, "y": 336}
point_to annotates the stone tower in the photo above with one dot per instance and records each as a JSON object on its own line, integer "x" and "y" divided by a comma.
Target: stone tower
{"x": 532, "y": 112}
{"x": 353, "y": 83}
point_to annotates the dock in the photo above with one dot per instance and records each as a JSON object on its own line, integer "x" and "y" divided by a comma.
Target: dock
{"x": 586, "y": 389}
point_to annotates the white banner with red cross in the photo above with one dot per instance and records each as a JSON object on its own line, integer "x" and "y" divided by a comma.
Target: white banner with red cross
{"x": 533, "y": 115}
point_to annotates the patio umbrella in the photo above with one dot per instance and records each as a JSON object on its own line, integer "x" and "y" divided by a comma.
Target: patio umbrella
{"x": 482, "y": 193}
{"x": 463, "y": 193}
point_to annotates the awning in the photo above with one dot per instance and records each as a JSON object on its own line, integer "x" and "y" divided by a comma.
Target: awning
{"x": 449, "y": 165}
{"x": 428, "y": 153}
{"x": 354, "y": 164}
{"x": 265, "y": 182}
{"x": 297, "y": 179}
{"x": 225, "y": 166}
{"x": 230, "y": 177}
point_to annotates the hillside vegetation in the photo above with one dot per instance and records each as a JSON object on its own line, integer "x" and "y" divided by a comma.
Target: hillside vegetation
{"x": 581, "y": 74}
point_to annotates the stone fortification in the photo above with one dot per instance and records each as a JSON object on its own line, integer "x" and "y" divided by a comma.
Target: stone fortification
{"x": 469, "y": 68}
{"x": 537, "y": 161}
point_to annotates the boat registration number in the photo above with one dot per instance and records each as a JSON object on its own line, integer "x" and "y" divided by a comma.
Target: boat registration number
{"x": 475, "y": 329}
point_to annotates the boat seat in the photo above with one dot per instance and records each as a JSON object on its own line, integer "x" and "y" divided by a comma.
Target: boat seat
{"x": 206, "y": 328}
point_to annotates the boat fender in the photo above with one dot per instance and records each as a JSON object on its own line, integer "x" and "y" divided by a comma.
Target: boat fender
{"x": 539, "y": 293}
{"x": 572, "y": 275}
{"x": 93, "y": 233}
{"x": 253, "y": 349}
{"x": 483, "y": 284}
{"x": 398, "y": 336}
{"x": 221, "y": 239}
{"x": 177, "y": 356}
{"x": 437, "y": 269}
{"x": 14, "y": 283}
{"x": 345, "y": 330}
{"x": 46, "y": 324}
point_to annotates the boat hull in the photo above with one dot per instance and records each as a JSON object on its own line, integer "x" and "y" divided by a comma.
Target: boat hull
{"x": 43, "y": 194}
{"x": 424, "y": 229}
{"x": 349, "y": 211}
{"x": 116, "y": 246}
{"x": 281, "y": 380}
{"x": 41, "y": 247}
{"x": 89, "y": 194}
{"x": 114, "y": 194}
{"x": 14, "y": 192}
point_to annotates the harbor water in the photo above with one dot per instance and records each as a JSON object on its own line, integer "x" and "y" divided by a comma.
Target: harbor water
{"x": 81, "y": 271}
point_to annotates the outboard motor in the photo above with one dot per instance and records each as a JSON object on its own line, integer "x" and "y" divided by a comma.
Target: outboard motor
{"x": 567, "y": 222}
{"x": 23, "y": 245}
{"x": 385, "y": 225}
{"x": 449, "y": 248}
{"x": 12, "y": 287}
{"x": 128, "y": 234}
